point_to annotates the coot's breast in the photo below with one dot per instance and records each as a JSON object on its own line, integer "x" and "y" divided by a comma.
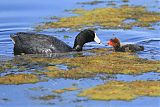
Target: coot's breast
{"x": 31, "y": 43}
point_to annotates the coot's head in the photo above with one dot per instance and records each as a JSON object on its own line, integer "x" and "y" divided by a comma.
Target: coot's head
{"x": 84, "y": 37}
{"x": 115, "y": 42}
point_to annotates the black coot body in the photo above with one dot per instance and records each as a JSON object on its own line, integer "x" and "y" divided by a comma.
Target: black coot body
{"x": 31, "y": 43}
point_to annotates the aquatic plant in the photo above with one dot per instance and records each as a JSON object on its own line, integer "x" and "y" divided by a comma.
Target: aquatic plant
{"x": 46, "y": 97}
{"x": 104, "y": 61}
{"x": 60, "y": 91}
{"x": 106, "y": 18}
{"x": 40, "y": 88}
{"x": 1, "y": 69}
{"x": 66, "y": 37}
{"x": 125, "y": 0}
{"x": 19, "y": 79}
{"x": 6, "y": 65}
{"x": 94, "y": 2}
{"x": 118, "y": 90}
{"x": 90, "y": 66}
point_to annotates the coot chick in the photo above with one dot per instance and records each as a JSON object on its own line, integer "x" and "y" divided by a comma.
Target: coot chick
{"x": 31, "y": 43}
{"x": 115, "y": 42}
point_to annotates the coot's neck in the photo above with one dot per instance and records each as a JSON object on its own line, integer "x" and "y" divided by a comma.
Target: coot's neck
{"x": 83, "y": 37}
{"x": 78, "y": 47}
{"x": 80, "y": 41}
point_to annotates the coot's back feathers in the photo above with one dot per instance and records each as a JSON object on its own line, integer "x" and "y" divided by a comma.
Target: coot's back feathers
{"x": 38, "y": 43}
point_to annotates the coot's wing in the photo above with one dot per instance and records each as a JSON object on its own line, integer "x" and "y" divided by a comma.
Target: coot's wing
{"x": 31, "y": 43}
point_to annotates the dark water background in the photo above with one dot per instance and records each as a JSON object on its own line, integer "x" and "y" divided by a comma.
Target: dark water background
{"x": 24, "y": 15}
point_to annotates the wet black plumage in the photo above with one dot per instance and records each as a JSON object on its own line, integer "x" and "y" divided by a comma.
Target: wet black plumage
{"x": 31, "y": 43}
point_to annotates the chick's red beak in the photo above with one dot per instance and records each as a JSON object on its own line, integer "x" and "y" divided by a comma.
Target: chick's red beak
{"x": 109, "y": 43}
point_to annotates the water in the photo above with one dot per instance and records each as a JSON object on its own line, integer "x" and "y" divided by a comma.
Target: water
{"x": 69, "y": 99}
{"x": 24, "y": 15}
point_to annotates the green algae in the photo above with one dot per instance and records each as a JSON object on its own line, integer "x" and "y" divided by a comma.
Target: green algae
{"x": 1, "y": 69}
{"x": 52, "y": 96}
{"x": 60, "y": 91}
{"x": 19, "y": 79}
{"x": 125, "y": 0}
{"x": 40, "y": 88}
{"x": 106, "y": 18}
{"x": 66, "y": 36}
{"x": 117, "y": 90}
{"x": 103, "y": 62}
{"x": 95, "y": 2}
{"x": 46, "y": 97}
{"x": 6, "y": 65}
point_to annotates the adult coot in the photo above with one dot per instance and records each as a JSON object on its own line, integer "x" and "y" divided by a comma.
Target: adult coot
{"x": 115, "y": 42}
{"x": 31, "y": 43}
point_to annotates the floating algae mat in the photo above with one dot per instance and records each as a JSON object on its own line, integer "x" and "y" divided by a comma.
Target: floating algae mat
{"x": 19, "y": 79}
{"x": 4, "y": 66}
{"x": 82, "y": 66}
{"x": 46, "y": 97}
{"x": 117, "y": 90}
{"x": 90, "y": 66}
{"x": 95, "y": 2}
{"x": 60, "y": 91}
{"x": 106, "y": 18}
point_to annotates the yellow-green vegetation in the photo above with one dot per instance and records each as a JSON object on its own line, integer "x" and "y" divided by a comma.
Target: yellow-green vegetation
{"x": 5, "y": 66}
{"x": 19, "y": 79}
{"x": 1, "y": 69}
{"x": 125, "y": 0}
{"x": 47, "y": 97}
{"x": 37, "y": 89}
{"x": 104, "y": 61}
{"x": 107, "y": 18}
{"x": 117, "y": 90}
{"x": 94, "y": 2}
{"x": 74, "y": 73}
{"x": 65, "y": 89}
{"x": 89, "y": 66}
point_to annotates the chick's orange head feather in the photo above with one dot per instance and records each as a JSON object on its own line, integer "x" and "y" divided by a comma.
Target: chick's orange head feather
{"x": 110, "y": 43}
{"x": 114, "y": 42}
